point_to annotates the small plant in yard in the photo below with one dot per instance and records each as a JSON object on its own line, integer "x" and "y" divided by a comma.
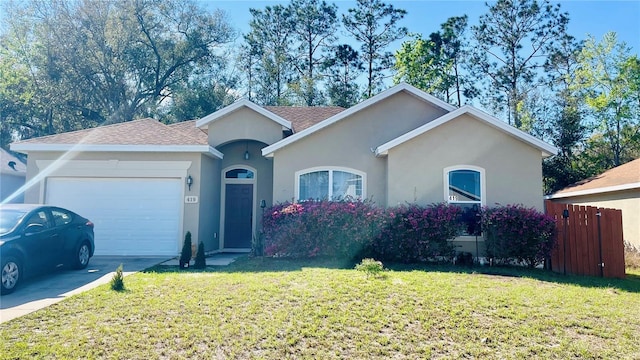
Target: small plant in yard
{"x": 371, "y": 267}
{"x": 201, "y": 261}
{"x": 185, "y": 255}
{"x": 117, "y": 281}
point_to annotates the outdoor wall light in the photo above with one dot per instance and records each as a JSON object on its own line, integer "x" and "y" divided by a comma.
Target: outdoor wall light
{"x": 246, "y": 151}
{"x": 189, "y": 182}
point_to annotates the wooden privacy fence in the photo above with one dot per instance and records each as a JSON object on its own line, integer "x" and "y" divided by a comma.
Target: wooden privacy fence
{"x": 589, "y": 240}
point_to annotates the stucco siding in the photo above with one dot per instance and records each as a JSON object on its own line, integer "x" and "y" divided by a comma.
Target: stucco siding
{"x": 513, "y": 169}
{"x": 209, "y": 212}
{"x": 244, "y": 124}
{"x": 626, "y": 200}
{"x": 348, "y": 143}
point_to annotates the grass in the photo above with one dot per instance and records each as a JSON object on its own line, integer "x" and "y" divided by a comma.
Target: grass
{"x": 285, "y": 309}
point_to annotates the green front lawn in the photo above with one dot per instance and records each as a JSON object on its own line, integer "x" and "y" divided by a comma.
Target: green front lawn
{"x": 279, "y": 309}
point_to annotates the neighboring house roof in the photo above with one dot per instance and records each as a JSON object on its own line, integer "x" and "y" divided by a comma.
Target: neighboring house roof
{"x": 546, "y": 149}
{"x": 269, "y": 150}
{"x": 303, "y": 117}
{"x": 137, "y": 135}
{"x": 623, "y": 177}
{"x": 11, "y": 165}
{"x": 242, "y": 103}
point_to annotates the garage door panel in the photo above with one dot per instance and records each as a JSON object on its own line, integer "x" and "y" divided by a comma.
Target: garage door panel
{"x": 131, "y": 216}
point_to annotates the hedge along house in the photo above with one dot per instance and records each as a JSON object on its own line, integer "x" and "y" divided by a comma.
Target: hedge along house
{"x": 145, "y": 184}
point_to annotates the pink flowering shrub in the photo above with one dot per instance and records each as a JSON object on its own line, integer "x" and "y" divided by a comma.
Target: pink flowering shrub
{"x": 514, "y": 232}
{"x": 414, "y": 233}
{"x": 319, "y": 228}
{"x": 408, "y": 233}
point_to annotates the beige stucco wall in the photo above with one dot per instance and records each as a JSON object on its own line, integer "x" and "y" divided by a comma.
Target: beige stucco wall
{"x": 244, "y": 124}
{"x": 209, "y": 212}
{"x": 234, "y": 157}
{"x": 348, "y": 143}
{"x": 626, "y": 200}
{"x": 513, "y": 169}
{"x": 36, "y": 191}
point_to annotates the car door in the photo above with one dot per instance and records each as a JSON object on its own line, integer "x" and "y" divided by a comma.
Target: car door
{"x": 40, "y": 241}
{"x": 69, "y": 234}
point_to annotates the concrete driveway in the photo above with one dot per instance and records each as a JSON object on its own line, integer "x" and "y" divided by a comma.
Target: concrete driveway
{"x": 39, "y": 292}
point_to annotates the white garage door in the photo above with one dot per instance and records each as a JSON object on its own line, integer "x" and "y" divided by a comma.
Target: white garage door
{"x": 131, "y": 216}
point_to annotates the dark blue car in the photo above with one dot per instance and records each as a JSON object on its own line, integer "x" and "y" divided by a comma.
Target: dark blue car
{"x": 38, "y": 238}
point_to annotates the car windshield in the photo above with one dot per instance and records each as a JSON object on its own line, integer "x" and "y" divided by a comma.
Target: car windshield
{"x": 9, "y": 218}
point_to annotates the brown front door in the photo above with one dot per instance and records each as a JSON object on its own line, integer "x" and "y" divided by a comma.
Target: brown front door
{"x": 238, "y": 216}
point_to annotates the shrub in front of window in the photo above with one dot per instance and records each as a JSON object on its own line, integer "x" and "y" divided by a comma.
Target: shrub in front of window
{"x": 319, "y": 228}
{"x": 516, "y": 233}
{"x": 414, "y": 233}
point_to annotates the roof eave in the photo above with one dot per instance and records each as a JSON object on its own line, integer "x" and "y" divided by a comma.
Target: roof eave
{"x": 545, "y": 149}
{"x": 269, "y": 150}
{"x": 205, "y": 121}
{"x": 594, "y": 191}
{"x": 27, "y": 147}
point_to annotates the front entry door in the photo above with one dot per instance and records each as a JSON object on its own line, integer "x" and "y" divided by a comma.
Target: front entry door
{"x": 238, "y": 217}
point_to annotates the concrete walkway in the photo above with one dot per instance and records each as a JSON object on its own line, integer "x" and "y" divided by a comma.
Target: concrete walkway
{"x": 220, "y": 259}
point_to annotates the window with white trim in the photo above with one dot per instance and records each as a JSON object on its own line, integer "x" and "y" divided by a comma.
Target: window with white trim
{"x": 329, "y": 183}
{"x": 464, "y": 187}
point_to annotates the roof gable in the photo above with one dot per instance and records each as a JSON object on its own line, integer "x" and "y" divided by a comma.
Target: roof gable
{"x": 213, "y": 117}
{"x": 403, "y": 87}
{"x": 623, "y": 177}
{"x": 546, "y": 149}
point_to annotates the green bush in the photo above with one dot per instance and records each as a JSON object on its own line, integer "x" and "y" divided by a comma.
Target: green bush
{"x": 370, "y": 267}
{"x": 117, "y": 281}
{"x": 201, "y": 261}
{"x": 185, "y": 255}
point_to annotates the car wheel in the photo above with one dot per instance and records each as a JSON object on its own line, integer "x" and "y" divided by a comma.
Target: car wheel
{"x": 11, "y": 269}
{"x": 82, "y": 256}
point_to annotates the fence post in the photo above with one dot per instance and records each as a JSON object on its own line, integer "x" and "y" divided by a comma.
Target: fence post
{"x": 601, "y": 264}
{"x": 565, "y": 220}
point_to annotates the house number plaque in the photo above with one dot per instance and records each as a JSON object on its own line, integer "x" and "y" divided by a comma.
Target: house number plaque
{"x": 191, "y": 199}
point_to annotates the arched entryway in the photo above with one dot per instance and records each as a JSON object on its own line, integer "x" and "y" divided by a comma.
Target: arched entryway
{"x": 238, "y": 203}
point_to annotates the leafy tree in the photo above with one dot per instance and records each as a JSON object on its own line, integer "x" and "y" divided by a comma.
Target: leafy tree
{"x": 97, "y": 62}
{"x": 608, "y": 77}
{"x": 513, "y": 40}
{"x": 270, "y": 40}
{"x": 343, "y": 69}
{"x": 315, "y": 26}
{"x": 565, "y": 126}
{"x": 435, "y": 64}
{"x": 199, "y": 97}
{"x": 374, "y": 25}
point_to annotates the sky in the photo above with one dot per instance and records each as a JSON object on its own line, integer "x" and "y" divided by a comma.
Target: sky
{"x": 594, "y": 18}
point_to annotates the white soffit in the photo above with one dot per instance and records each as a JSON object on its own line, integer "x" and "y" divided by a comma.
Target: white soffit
{"x": 206, "y": 149}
